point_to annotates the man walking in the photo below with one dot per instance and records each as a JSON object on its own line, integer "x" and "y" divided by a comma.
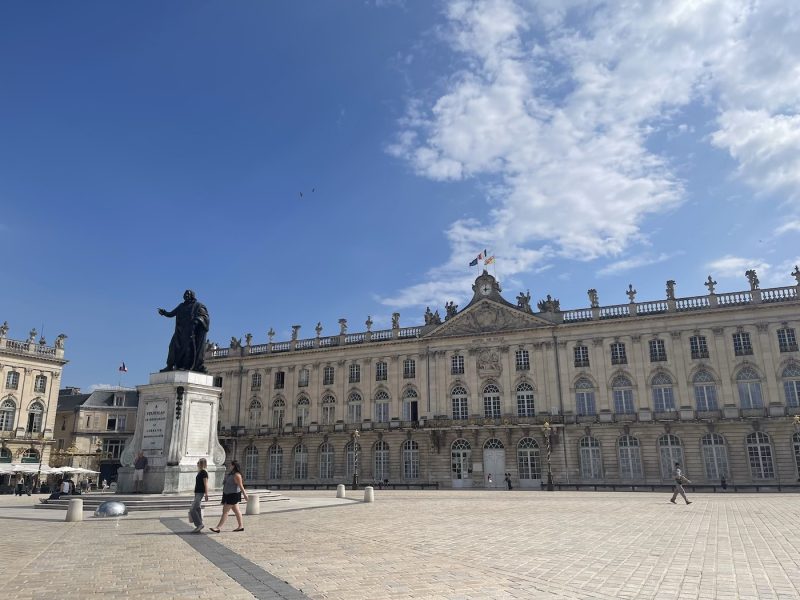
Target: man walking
{"x": 139, "y": 465}
{"x": 677, "y": 474}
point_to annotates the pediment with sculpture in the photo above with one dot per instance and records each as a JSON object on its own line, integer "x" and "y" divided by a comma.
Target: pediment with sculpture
{"x": 488, "y": 316}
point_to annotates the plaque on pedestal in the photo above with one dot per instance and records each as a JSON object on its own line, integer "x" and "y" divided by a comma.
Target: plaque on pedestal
{"x": 175, "y": 427}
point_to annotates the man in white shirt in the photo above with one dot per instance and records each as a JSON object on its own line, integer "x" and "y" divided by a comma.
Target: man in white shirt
{"x": 677, "y": 488}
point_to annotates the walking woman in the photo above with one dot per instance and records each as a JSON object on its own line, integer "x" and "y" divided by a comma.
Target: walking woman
{"x": 200, "y": 492}
{"x": 232, "y": 492}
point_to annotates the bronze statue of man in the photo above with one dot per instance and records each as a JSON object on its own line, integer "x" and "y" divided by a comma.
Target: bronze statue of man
{"x": 189, "y": 340}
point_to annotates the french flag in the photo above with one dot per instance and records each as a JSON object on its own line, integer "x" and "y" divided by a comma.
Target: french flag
{"x": 123, "y": 368}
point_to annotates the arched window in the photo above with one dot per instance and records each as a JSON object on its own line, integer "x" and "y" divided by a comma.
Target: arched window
{"x": 326, "y": 461}
{"x": 670, "y": 451}
{"x": 791, "y": 384}
{"x": 8, "y": 410}
{"x": 491, "y": 402}
{"x": 5, "y": 455}
{"x": 354, "y": 408}
{"x": 410, "y": 459}
{"x": 278, "y": 413}
{"x": 749, "y": 384}
{"x": 460, "y": 403}
{"x": 35, "y": 413}
{"x": 461, "y": 459}
{"x": 663, "y": 397}
{"x": 30, "y": 456}
{"x": 759, "y": 450}
{"x": 382, "y": 407}
{"x": 630, "y": 458}
{"x": 590, "y": 458}
{"x": 251, "y": 463}
{"x": 255, "y": 381}
{"x": 528, "y": 461}
{"x": 796, "y": 448}
{"x": 303, "y": 405}
{"x": 493, "y": 444}
{"x": 584, "y": 397}
{"x": 410, "y": 408}
{"x": 715, "y": 456}
{"x": 352, "y": 451}
{"x": 275, "y": 462}
{"x": 525, "y": 403}
{"x": 40, "y": 384}
{"x": 622, "y": 389}
{"x": 705, "y": 391}
{"x": 381, "y": 460}
{"x": 12, "y": 380}
{"x": 254, "y": 414}
{"x": 300, "y": 455}
{"x": 328, "y": 410}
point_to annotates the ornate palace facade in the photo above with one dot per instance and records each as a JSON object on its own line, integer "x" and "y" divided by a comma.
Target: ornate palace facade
{"x": 30, "y": 371}
{"x": 710, "y": 381}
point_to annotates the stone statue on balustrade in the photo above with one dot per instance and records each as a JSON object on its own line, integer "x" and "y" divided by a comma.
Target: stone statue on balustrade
{"x": 186, "y": 349}
{"x": 395, "y": 320}
{"x": 524, "y": 301}
{"x": 752, "y": 278}
{"x": 450, "y": 310}
{"x": 594, "y": 301}
{"x": 60, "y": 341}
{"x": 432, "y": 318}
{"x": 4, "y": 329}
{"x": 549, "y": 305}
{"x": 671, "y": 289}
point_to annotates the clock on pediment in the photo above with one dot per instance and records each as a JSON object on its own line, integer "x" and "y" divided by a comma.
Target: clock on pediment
{"x": 485, "y": 286}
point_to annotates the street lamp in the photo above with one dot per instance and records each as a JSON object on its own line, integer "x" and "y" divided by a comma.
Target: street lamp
{"x": 355, "y": 458}
{"x": 547, "y": 433}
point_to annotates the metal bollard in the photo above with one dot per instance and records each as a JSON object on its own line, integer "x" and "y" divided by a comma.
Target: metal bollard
{"x": 253, "y": 505}
{"x": 340, "y": 493}
{"x": 75, "y": 510}
{"x": 369, "y": 494}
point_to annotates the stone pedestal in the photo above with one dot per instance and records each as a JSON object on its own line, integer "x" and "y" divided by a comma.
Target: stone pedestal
{"x": 176, "y": 426}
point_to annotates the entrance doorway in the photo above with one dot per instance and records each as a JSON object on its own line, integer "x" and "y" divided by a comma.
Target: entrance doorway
{"x": 494, "y": 464}
{"x": 461, "y": 464}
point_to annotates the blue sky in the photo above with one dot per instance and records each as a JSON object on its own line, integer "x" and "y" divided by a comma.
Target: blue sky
{"x": 150, "y": 147}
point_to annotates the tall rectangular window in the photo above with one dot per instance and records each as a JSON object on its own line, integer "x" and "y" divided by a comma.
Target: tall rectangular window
{"x": 355, "y": 373}
{"x": 381, "y": 371}
{"x": 327, "y": 376}
{"x": 302, "y": 378}
{"x": 618, "y": 355}
{"x": 255, "y": 381}
{"x": 40, "y": 384}
{"x": 741, "y": 344}
{"x": 280, "y": 378}
{"x": 457, "y": 365}
{"x": 581, "y": 356}
{"x": 409, "y": 368}
{"x": 522, "y": 360}
{"x": 698, "y": 345}
{"x": 787, "y": 342}
{"x": 658, "y": 351}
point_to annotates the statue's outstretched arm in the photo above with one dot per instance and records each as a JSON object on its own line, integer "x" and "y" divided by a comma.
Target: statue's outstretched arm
{"x": 165, "y": 313}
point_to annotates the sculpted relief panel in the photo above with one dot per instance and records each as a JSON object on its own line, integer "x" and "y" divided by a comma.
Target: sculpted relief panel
{"x": 489, "y": 364}
{"x": 487, "y": 318}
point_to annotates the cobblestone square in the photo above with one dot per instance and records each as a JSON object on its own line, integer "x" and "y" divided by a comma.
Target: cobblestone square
{"x": 419, "y": 544}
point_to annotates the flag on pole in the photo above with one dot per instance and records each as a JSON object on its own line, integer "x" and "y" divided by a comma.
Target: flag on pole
{"x": 489, "y": 260}
{"x": 481, "y": 256}
{"x": 123, "y": 368}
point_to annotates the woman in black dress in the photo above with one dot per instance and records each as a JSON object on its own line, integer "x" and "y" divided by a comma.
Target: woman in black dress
{"x": 232, "y": 493}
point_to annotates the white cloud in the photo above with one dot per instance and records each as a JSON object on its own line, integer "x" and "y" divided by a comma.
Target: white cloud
{"x": 557, "y": 99}
{"x": 635, "y": 262}
{"x": 787, "y": 227}
{"x": 735, "y": 266}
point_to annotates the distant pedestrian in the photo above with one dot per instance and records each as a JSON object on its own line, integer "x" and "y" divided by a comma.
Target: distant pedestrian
{"x": 508, "y": 481}
{"x": 200, "y": 492}
{"x": 723, "y": 483}
{"x": 65, "y": 487}
{"x": 105, "y": 485}
{"x": 20, "y": 484}
{"x": 677, "y": 474}
{"x": 84, "y": 486}
{"x": 139, "y": 466}
{"x": 489, "y": 479}
{"x": 232, "y": 492}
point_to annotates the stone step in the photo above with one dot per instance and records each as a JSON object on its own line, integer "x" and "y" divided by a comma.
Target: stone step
{"x": 144, "y": 502}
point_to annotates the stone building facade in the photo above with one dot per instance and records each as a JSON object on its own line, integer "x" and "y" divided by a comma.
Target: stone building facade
{"x": 91, "y": 430}
{"x": 30, "y": 372}
{"x": 602, "y": 394}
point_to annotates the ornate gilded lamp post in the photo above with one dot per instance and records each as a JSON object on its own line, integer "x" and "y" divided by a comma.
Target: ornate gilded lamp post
{"x": 547, "y": 430}
{"x": 355, "y": 459}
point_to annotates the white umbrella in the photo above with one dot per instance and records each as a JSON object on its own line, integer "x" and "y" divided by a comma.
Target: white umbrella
{"x": 85, "y": 471}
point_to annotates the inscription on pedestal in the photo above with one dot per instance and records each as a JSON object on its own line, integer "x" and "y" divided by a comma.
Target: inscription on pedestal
{"x": 199, "y": 424}
{"x": 155, "y": 425}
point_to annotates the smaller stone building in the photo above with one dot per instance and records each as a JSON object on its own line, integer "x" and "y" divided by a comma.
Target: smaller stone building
{"x": 91, "y": 430}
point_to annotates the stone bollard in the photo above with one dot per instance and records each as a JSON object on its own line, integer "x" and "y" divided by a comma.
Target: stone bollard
{"x": 253, "y": 505}
{"x": 340, "y": 493}
{"x": 369, "y": 494}
{"x": 75, "y": 510}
